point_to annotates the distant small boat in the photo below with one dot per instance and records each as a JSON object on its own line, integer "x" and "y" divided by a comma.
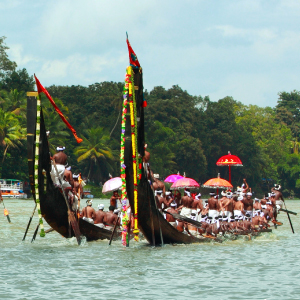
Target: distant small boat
{"x": 87, "y": 194}
{"x": 12, "y": 188}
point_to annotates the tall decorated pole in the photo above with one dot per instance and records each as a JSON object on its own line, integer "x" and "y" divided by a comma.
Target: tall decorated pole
{"x": 36, "y": 164}
{"x": 129, "y": 114}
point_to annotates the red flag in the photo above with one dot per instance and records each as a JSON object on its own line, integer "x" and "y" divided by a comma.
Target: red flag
{"x": 134, "y": 62}
{"x": 41, "y": 89}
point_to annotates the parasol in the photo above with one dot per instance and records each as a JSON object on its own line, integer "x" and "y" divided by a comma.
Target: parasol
{"x": 217, "y": 183}
{"x": 112, "y": 184}
{"x": 185, "y": 182}
{"x": 229, "y": 160}
{"x": 172, "y": 178}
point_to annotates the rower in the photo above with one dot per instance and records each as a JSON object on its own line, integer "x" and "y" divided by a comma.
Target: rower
{"x": 190, "y": 228}
{"x": 187, "y": 204}
{"x": 238, "y": 206}
{"x": 172, "y": 210}
{"x": 278, "y": 195}
{"x": 88, "y": 213}
{"x": 68, "y": 176}
{"x": 213, "y": 205}
{"x": 227, "y": 205}
{"x": 111, "y": 218}
{"x": 197, "y": 204}
{"x": 114, "y": 198}
{"x": 248, "y": 204}
{"x": 256, "y": 207}
{"x": 100, "y": 216}
{"x": 60, "y": 159}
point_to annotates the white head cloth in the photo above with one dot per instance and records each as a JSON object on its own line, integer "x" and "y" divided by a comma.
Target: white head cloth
{"x": 60, "y": 148}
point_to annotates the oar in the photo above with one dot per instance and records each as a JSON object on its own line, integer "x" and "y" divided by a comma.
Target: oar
{"x": 6, "y": 213}
{"x": 71, "y": 216}
{"x": 49, "y": 230}
{"x": 29, "y": 223}
{"x": 288, "y": 211}
{"x": 289, "y": 218}
{"x": 35, "y": 232}
{"x": 113, "y": 232}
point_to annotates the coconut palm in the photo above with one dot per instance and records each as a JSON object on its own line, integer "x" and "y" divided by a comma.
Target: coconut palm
{"x": 95, "y": 154}
{"x": 11, "y": 132}
{"x": 13, "y": 101}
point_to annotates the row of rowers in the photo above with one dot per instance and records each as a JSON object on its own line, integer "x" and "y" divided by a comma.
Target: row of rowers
{"x": 230, "y": 206}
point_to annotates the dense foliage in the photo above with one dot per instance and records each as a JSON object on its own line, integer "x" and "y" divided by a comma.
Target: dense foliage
{"x": 184, "y": 133}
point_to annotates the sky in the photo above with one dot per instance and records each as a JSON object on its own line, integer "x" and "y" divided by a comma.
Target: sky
{"x": 247, "y": 49}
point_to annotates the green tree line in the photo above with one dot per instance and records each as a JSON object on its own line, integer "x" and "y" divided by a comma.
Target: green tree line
{"x": 184, "y": 133}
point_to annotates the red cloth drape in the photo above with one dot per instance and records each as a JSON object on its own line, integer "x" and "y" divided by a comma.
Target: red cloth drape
{"x": 41, "y": 89}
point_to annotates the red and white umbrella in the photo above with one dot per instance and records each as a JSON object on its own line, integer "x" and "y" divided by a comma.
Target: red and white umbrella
{"x": 229, "y": 160}
{"x": 112, "y": 184}
{"x": 185, "y": 182}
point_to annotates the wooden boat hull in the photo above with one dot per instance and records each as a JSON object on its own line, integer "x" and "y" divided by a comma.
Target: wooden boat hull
{"x": 53, "y": 205}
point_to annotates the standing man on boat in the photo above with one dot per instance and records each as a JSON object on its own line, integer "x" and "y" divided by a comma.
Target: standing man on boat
{"x": 227, "y": 205}
{"x": 278, "y": 195}
{"x": 68, "y": 176}
{"x": 114, "y": 199}
{"x": 198, "y": 205}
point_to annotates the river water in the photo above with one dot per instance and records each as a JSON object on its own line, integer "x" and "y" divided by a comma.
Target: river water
{"x": 53, "y": 267}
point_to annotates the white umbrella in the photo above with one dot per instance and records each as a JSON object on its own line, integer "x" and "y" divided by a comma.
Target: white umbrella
{"x": 112, "y": 184}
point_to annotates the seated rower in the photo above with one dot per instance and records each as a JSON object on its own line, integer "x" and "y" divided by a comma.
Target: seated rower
{"x": 112, "y": 218}
{"x": 100, "y": 216}
{"x": 190, "y": 228}
{"x": 88, "y": 213}
{"x": 172, "y": 210}
{"x": 68, "y": 176}
{"x": 60, "y": 159}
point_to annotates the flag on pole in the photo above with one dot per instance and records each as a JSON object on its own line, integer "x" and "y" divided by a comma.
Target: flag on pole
{"x": 134, "y": 62}
{"x": 41, "y": 89}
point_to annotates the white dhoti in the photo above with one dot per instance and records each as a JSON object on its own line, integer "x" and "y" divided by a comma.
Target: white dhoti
{"x": 227, "y": 213}
{"x": 213, "y": 213}
{"x": 90, "y": 220}
{"x": 279, "y": 204}
{"x": 186, "y": 212}
{"x": 173, "y": 224}
{"x": 256, "y": 213}
{"x": 55, "y": 178}
{"x": 237, "y": 213}
{"x": 101, "y": 225}
{"x": 250, "y": 212}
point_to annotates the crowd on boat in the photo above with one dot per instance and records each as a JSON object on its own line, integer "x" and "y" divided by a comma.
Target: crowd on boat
{"x": 234, "y": 212}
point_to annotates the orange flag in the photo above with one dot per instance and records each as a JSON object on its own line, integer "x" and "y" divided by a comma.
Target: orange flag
{"x": 41, "y": 89}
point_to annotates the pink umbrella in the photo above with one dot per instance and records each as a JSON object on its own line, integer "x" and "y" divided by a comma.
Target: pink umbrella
{"x": 112, "y": 184}
{"x": 185, "y": 182}
{"x": 172, "y": 178}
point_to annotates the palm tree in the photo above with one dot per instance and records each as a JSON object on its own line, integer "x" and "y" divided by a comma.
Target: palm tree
{"x": 11, "y": 132}
{"x": 95, "y": 153}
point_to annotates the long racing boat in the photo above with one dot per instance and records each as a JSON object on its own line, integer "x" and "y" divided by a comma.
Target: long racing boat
{"x": 52, "y": 203}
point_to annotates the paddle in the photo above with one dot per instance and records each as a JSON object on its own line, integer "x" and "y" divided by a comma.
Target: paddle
{"x": 71, "y": 216}
{"x": 113, "y": 232}
{"x": 6, "y": 213}
{"x": 289, "y": 217}
{"x": 29, "y": 223}
{"x": 186, "y": 219}
{"x": 35, "y": 233}
{"x": 49, "y": 230}
{"x": 288, "y": 211}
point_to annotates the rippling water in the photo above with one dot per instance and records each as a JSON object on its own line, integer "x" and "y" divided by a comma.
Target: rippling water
{"x": 55, "y": 268}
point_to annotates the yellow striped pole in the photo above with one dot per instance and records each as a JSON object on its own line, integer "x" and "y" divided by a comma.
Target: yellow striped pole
{"x": 36, "y": 164}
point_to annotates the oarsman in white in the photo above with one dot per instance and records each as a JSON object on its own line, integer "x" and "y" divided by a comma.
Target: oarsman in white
{"x": 88, "y": 213}
{"x": 172, "y": 209}
{"x": 213, "y": 206}
{"x": 248, "y": 204}
{"x": 60, "y": 159}
{"x": 187, "y": 204}
{"x": 278, "y": 195}
{"x": 100, "y": 216}
{"x": 238, "y": 206}
{"x": 257, "y": 208}
{"x": 197, "y": 204}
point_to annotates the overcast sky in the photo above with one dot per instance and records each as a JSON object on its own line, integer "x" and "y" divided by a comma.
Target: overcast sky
{"x": 247, "y": 49}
